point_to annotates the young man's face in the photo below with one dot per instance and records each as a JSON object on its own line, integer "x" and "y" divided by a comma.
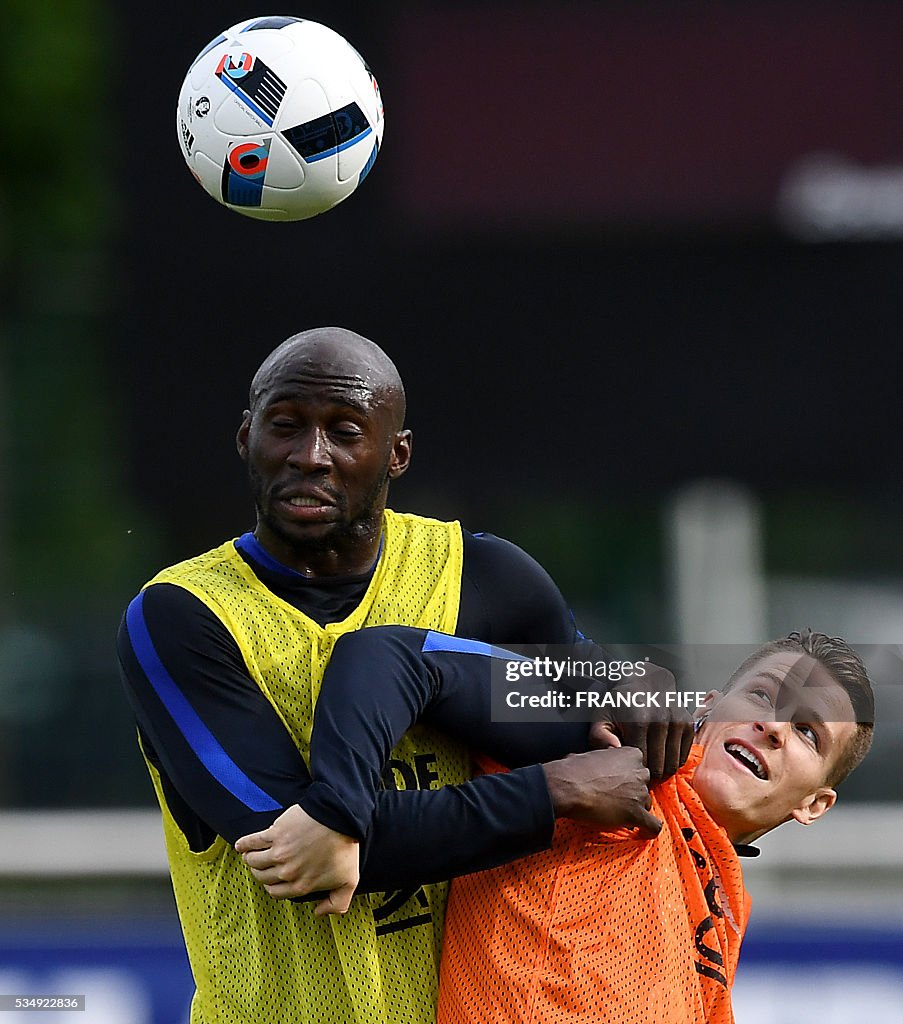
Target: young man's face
{"x": 770, "y": 742}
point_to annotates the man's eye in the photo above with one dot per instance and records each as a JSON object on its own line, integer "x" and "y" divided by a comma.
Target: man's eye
{"x": 763, "y": 694}
{"x": 807, "y": 731}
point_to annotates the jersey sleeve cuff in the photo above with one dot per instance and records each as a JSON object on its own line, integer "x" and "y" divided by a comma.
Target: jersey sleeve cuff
{"x": 325, "y": 805}
{"x": 537, "y": 803}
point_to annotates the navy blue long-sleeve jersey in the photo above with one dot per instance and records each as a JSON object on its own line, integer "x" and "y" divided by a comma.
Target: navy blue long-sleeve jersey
{"x": 506, "y": 599}
{"x": 380, "y": 681}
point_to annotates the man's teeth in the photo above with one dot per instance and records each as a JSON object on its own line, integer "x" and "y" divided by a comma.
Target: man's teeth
{"x": 747, "y": 757}
{"x": 305, "y": 502}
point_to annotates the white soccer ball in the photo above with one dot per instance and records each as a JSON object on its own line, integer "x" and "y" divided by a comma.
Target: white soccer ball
{"x": 279, "y": 118}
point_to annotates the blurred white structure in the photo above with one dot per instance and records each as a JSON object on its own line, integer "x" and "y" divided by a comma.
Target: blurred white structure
{"x": 713, "y": 529}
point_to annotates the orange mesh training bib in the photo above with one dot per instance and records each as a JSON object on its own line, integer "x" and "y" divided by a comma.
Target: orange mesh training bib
{"x": 602, "y": 927}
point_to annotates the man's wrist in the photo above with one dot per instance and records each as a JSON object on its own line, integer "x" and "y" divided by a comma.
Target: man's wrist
{"x": 560, "y": 793}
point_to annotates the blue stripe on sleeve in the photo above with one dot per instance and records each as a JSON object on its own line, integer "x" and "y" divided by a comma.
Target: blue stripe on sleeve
{"x": 204, "y": 744}
{"x": 434, "y": 641}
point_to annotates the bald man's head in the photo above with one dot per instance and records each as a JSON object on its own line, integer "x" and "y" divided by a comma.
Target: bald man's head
{"x": 332, "y": 356}
{"x": 323, "y": 437}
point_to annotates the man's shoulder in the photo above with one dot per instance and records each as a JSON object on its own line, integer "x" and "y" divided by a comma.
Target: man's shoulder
{"x": 491, "y": 547}
{"x": 485, "y": 547}
{"x": 490, "y": 557}
{"x": 414, "y": 519}
{"x": 196, "y": 587}
{"x": 406, "y": 532}
{"x": 197, "y": 565}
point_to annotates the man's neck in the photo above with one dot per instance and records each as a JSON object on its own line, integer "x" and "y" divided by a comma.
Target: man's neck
{"x": 352, "y": 555}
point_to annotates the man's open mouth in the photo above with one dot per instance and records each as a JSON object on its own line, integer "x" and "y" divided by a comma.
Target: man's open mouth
{"x": 307, "y": 502}
{"x": 748, "y": 759}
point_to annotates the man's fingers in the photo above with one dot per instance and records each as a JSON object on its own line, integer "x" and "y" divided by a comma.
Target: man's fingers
{"x": 637, "y": 737}
{"x": 268, "y": 875}
{"x": 280, "y": 889}
{"x": 602, "y": 736}
{"x": 337, "y": 902}
{"x": 677, "y": 742}
{"x": 284, "y": 890}
{"x": 255, "y": 841}
{"x": 663, "y": 745}
{"x": 654, "y": 754}
{"x": 258, "y": 859}
{"x": 647, "y": 824}
{"x": 673, "y": 741}
{"x": 686, "y": 741}
{"x": 680, "y": 739}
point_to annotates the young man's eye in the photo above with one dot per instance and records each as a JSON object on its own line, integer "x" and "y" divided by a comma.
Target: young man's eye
{"x": 807, "y": 731}
{"x": 763, "y": 694}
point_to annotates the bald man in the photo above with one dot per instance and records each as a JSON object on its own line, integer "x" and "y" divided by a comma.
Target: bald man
{"x": 222, "y": 659}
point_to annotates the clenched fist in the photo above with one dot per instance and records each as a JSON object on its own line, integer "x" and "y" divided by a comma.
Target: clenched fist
{"x": 607, "y": 787}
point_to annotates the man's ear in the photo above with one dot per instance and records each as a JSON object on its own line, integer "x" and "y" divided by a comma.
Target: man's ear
{"x": 401, "y": 454}
{"x": 704, "y": 709}
{"x": 814, "y": 806}
{"x": 241, "y": 438}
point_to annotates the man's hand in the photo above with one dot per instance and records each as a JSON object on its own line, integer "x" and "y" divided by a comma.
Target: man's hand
{"x": 297, "y": 855}
{"x": 606, "y": 787}
{"x": 663, "y": 734}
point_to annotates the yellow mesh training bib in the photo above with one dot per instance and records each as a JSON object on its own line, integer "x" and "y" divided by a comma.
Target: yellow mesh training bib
{"x": 257, "y": 960}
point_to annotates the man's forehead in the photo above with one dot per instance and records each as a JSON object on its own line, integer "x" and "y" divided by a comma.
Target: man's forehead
{"x": 325, "y": 361}
{"x": 804, "y": 683}
{"x": 304, "y": 381}
{"x": 305, "y": 385}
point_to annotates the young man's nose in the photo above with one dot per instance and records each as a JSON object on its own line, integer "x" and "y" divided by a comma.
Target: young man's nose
{"x": 775, "y": 732}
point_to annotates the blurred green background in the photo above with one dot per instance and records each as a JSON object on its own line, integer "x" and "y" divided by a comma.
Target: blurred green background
{"x": 576, "y": 358}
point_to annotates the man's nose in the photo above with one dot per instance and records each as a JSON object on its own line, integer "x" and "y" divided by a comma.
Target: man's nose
{"x": 775, "y": 732}
{"x": 310, "y": 453}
